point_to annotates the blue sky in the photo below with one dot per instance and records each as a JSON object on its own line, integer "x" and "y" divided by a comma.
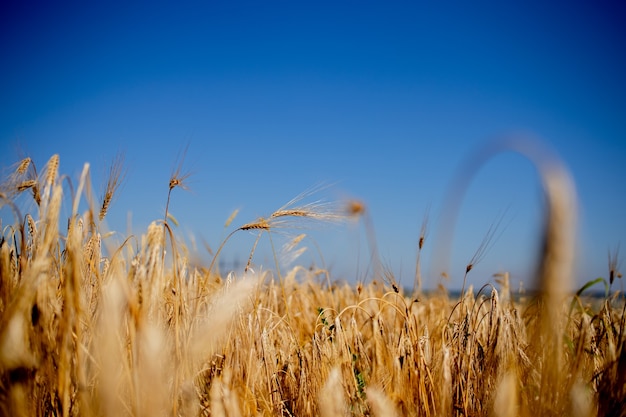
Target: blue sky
{"x": 384, "y": 101}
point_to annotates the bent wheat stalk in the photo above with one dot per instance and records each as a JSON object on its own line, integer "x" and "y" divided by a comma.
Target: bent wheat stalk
{"x": 557, "y": 248}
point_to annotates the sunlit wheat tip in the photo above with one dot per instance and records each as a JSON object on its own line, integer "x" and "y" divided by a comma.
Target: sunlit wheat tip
{"x": 355, "y": 208}
{"x": 175, "y": 182}
{"x": 178, "y": 178}
{"x": 23, "y": 166}
{"x": 52, "y": 169}
{"x": 32, "y": 229}
{"x": 259, "y": 224}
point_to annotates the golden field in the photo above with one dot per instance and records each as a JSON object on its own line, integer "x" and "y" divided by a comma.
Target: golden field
{"x": 142, "y": 329}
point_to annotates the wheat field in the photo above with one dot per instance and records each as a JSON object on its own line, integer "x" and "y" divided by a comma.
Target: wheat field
{"x": 142, "y": 329}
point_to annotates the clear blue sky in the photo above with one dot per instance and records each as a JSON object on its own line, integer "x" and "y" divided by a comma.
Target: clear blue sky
{"x": 382, "y": 100}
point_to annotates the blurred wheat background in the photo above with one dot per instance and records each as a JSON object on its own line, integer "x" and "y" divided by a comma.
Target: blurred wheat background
{"x": 88, "y": 328}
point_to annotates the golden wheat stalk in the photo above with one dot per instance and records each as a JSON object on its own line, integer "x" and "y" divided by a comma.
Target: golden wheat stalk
{"x": 114, "y": 181}
{"x": 129, "y": 340}
{"x": 22, "y": 177}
